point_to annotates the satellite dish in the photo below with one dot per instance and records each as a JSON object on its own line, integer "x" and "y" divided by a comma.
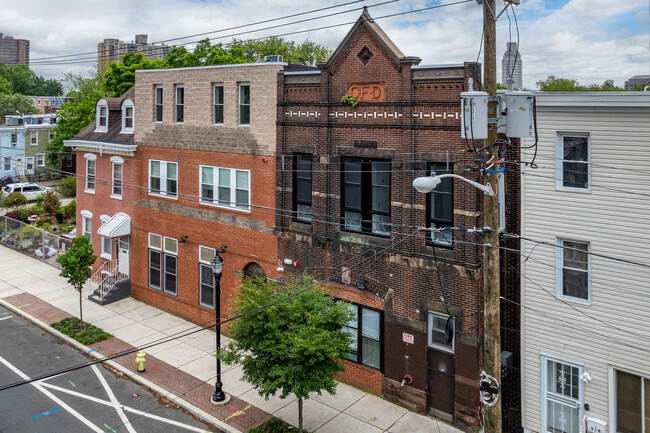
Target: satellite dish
{"x": 449, "y": 329}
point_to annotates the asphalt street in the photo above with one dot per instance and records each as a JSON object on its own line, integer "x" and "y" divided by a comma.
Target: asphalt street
{"x": 94, "y": 399}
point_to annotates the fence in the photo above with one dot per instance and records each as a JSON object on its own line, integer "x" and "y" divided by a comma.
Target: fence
{"x": 32, "y": 241}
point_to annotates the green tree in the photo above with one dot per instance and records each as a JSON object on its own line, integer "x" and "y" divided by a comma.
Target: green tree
{"x": 80, "y": 86}
{"x": 51, "y": 203}
{"x": 15, "y": 200}
{"x": 555, "y": 84}
{"x": 5, "y": 86}
{"x": 70, "y": 119}
{"x": 204, "y": 54}
{"x": 75, "y": 266}
{"x": 291, "y": 347}
{"x": 639, "y": 87}
{"x": 15, "y": 104}
{"x": 68, "y": 186}
{"x": 307, "y": 53}
{"x": 21, "y": 78}
{"x": 120, "y": 77}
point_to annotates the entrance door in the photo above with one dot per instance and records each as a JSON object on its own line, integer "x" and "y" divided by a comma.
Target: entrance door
{"x": 123, "y": 255}
{"x": 440, "y": 389}
{"x": 29, "y": 167}
{"x": 562, "y": 406}
{"x": 20, "y": 165}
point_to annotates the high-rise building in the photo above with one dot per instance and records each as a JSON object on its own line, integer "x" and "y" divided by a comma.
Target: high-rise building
{"x": 112, "y": 50}
{"x": 14, "y": 51}
{"x": 511, "y": 66}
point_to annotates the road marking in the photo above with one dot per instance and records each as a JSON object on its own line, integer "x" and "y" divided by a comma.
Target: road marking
{"x": 90, "y": 351}
{"x": 126, "y": 408}
{"x": 39, "y": 386}
{"x": 114, "y": 400}
{"x": 23, "y": 306}
{"x": 44, "y": 413}
{"x": 109, "y": 427}
{"x": 5, "y": 318}
{"x": 71, "y": 383}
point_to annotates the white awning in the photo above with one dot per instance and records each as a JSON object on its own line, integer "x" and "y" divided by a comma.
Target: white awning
{"x": 118, "y": 225}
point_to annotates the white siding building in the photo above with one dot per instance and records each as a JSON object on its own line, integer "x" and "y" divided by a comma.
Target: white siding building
{"x": 585, "y": 273}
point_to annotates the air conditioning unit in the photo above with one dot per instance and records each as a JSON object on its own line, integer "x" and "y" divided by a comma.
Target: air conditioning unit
{"x": 275, "y": 58}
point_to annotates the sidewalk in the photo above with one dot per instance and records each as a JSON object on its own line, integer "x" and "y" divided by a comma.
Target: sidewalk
{"x": 183, "y": 370}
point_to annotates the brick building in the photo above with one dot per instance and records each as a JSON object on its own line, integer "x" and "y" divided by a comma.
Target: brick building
{"x": 13, "y": 51}
{"x": 350, "y": 214}
{"x": 205, "y": 168}
{"x": 106, "y": 189}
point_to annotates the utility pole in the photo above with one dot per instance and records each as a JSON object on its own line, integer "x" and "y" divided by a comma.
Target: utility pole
{"x": 491, "y": 269}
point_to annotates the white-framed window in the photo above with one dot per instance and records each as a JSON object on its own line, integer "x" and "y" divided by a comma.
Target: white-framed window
{"x": 158, "y": 95}
{"x": 366, "y": 330}
{"x": 631, "y": 400}
{"x": 206, "y": 277}
{"x": 573, "y": 270}
{"x": 244, "y": 103}
{"x": 573, "y": 167}
{"x": 87, "y": 225}
{"x": 107, "y": 247}
{"x": 180, "y": 103}
{"x": 29, "y": 162}
{"x": 51, "y": 135}
{"x": 39, "y": 102}
{"x": 40, "y": 160}
{"x": 437, "y": 332}
{"x": 34, "y": 138}
{"x": 227, "y": 187}
{"x": 127, "y": 116}
{"x": 90, "y": 172}
{"x": 14, "y": 139}
{"x": 163, "y": 261}
{"x": 102, "y": 116}
{"x": 163, "y": 178}
{"x": 7, "y": 163}
{"x": 116, "y": 181}
{"x": 562, "y": 396}
{"x": 218, "y": 104}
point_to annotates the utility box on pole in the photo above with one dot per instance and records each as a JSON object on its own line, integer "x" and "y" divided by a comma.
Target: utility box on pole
{"x": 474, "y": 115}
{"x": 519, "y": 117}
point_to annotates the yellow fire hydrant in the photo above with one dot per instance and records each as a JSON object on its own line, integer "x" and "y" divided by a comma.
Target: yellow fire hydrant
{"x": 140, "y": 361}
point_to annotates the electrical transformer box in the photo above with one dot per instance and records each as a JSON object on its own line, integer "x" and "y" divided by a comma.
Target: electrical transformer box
{"x": 474, "y": 115}
{"x": 519, "y": 117}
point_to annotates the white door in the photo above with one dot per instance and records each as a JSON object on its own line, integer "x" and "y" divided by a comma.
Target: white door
{"x": 20, "y": 165}
{"x": 123, "y": 255}
{"x": 29, "y": 167}
{"x": 562, "y": 396}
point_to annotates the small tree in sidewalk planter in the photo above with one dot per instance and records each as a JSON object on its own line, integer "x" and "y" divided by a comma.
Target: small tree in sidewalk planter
{"x": 75, "y": 266}
{"x": 293, "y": 346}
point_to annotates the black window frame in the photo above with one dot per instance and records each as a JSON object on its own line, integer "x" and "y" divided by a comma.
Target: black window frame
{"x": 219, "y": 104}
{"x": 358, "y": 354}
{"x": 158, "y": 112}
{"x": 179, "y": 103}
{"x": 446, "y": 188}
{"x": 366, "y": 193}
{"x": 302, "y": 181}
{"x": 244, "y": 104}
{"x": 203, "y": 285}
{"x": 158, "y": 269}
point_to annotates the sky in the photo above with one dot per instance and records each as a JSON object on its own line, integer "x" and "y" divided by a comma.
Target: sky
{"x": 587, "y": 40}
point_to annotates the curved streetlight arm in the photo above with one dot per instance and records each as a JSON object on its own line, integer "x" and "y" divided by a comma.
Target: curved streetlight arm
{"x": 426, "y": 184}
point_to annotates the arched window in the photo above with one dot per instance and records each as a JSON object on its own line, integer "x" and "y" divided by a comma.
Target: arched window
{"x": 254, "y": 270}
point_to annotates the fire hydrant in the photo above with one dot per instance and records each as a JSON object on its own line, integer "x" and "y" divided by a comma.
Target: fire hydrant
{"x": 140, "y": 361}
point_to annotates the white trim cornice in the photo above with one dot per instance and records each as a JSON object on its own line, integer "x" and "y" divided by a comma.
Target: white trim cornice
{"x": 101, "y": 146}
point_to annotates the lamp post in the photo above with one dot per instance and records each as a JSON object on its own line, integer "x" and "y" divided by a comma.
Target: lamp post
{"x": 219, "y": 397}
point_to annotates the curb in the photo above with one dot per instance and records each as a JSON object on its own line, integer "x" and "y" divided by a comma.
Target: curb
{"x": 215, "y": 422}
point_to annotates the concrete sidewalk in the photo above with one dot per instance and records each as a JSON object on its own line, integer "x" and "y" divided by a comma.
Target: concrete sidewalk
{"x": 184, "y": 368}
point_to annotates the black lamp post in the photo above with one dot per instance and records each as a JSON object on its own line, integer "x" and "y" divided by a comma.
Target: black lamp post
{"x": 219, "y": 397}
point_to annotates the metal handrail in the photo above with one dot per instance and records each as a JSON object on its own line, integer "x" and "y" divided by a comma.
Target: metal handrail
{"x": 106, "y": 277}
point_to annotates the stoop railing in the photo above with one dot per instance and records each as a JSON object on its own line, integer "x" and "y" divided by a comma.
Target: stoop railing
{"x": 106, "y": 277}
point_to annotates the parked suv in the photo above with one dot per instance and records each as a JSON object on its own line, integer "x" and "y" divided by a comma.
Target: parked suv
{"x": 29, "y": 190}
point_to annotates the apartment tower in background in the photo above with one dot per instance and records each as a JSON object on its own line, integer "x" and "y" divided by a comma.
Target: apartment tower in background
{"x": 511, "y": 66}
{"x": 112, "y": 50}
{"x": 13, "y": 51}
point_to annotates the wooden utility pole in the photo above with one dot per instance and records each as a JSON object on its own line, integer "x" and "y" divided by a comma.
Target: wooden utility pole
{"x": 491, "y": 269}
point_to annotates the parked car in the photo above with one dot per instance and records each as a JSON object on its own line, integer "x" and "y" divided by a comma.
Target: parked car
{"x": 29, "y": 190}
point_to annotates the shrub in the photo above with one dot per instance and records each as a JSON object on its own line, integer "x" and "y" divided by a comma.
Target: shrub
{"x": 18, "y": 214}
{"x": 15, "y": 200}
{"x": 39, "y": 200}
{"x": 68, "y": 186}
{"x": 51, "y": 203}
{"x": 83, "y": 332}
{"x": 70, "y": 211}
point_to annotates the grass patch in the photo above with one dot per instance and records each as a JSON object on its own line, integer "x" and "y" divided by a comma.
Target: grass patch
{"x": 276, "y": 425}
{"x": 83, "y": 332}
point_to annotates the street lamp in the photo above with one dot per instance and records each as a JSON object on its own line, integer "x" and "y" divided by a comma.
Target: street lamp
{"x": 428, "y": 183}
{"x": 219, "y": 397}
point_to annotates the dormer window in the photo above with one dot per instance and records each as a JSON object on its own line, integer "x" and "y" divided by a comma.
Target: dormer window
{"x": 127, "y": 116}
{"x": 102, "y": 116}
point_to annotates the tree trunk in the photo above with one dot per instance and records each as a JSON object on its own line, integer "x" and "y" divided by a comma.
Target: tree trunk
{"x": 81, "y": 313}
{"x": 300, "y": 415}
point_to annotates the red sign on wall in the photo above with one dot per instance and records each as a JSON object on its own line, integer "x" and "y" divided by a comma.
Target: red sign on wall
{"x": 407, "y": 338}
{"x": 371, "y": 92}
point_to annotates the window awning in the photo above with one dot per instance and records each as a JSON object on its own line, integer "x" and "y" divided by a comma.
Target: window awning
{"x": 118, "y": 225}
